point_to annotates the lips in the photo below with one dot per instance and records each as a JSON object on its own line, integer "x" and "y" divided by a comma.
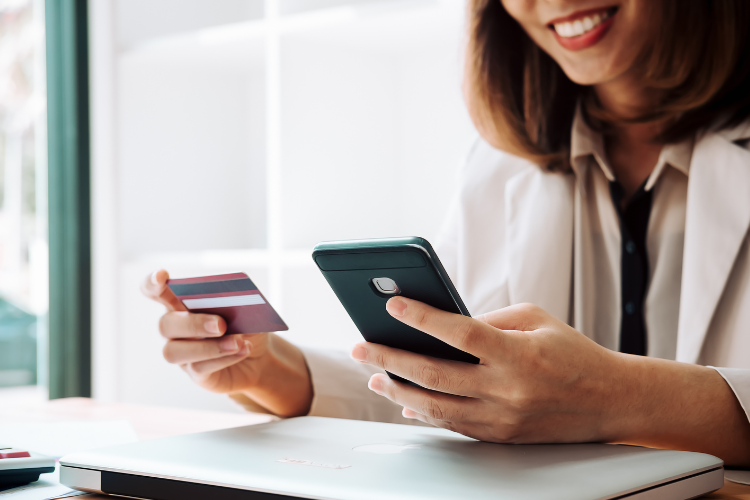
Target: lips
{"x": 584, "y": 28}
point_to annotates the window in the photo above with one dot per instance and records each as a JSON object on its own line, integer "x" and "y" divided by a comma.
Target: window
{"x": 239, "y": 134}
{"x": 23, "y": 194}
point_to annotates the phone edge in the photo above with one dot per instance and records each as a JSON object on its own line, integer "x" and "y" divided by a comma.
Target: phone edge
{"x": 384, "y": 243}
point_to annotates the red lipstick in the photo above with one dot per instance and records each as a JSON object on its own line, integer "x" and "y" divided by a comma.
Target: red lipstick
{"x": 568, "y": 27}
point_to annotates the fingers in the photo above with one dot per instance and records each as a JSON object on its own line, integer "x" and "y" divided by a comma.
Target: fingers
{"x": 451, "y": 377}
{"x": 462, "y": 332}
{"x": 191, "y": 351}
{"x": 202, "y": 370}
{"x": 185, "y": 325}
{"x": 433, "y": 405}
{"x": 521, "y": 317}
{"x": 154, "y": 286}
{"x": 407, "y": 413}
{"x": 465, "y": 428}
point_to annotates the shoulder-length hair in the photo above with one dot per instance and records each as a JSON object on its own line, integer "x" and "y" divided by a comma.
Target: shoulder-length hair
{"x": 522, "y": 102}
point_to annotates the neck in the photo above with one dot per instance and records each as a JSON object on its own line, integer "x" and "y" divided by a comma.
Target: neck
{"x": 626, "y": 98}
{"x": 631, "y": 150}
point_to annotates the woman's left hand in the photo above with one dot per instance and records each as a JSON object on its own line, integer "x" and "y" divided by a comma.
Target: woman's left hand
{"x": 538, "y": 379}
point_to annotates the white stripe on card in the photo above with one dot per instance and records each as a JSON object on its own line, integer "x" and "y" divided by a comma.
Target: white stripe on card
{"x": 211, "y": 302}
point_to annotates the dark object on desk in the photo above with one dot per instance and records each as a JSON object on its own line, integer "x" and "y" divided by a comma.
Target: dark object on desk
{"x": 739, "y": 476}
{"x": 19, "y": 467}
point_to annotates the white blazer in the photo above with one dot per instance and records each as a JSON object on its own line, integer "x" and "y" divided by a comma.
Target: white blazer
{"x": 525, "y": 218}
{"x": 510, "y": 239}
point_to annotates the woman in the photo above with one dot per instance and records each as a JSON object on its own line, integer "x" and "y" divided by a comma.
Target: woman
{"x": 611, "y": 190}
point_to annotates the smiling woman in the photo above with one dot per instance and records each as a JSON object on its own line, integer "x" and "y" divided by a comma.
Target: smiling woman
{"x": 593, "y": 23}
{"x": 601, "y": 231}
{"x": 528, "y": 64}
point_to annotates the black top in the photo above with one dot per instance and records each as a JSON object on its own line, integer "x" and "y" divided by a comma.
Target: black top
{"x": 634, "y": 269}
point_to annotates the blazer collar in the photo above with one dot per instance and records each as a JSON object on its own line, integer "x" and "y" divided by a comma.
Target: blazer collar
{"x": 539, "y": 232}
{"x": 717, "y": 221}
{"x": 586, "y": 144}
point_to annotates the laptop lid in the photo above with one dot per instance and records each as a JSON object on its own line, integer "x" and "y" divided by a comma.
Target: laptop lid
{"x": 323, "y": 458}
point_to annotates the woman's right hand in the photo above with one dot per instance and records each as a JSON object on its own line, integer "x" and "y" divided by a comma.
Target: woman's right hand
{"x": 263, "y": 366}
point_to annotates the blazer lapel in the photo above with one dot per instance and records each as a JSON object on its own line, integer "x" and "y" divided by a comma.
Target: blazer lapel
{"x": 539, "y": 234}
{"x": 717, "y": 220}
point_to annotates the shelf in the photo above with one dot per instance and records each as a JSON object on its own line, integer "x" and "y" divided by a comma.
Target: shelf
{"x": 381, "y": 25}
{"x": 221, "y": 258}
{"x": 138, "y": 21}
{"x": 288, "y": 7}
{"x": 210, "y": 48}
{"x": 388, "y": 27}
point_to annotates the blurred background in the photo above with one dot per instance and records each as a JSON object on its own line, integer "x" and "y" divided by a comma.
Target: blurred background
{"x": 23, "y": 195}
{"x": 222, "y": 136}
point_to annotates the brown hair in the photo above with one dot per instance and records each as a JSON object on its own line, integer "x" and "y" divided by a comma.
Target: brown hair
{"x": 521, "y": 101}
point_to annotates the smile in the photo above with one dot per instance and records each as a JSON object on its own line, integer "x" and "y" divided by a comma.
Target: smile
{"x": 583, "y": 29}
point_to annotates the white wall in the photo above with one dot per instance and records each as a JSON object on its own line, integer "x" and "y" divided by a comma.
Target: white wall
{"x": 191, "y": 172}
{"x": 371, "y": 132}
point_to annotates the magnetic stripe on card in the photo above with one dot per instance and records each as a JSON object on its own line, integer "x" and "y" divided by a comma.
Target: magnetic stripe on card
{"x": 235, "y": 301}
{"x": 243, "y": 285}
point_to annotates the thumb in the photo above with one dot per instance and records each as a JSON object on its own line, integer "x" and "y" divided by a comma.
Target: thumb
{"x": 154, "y": 286}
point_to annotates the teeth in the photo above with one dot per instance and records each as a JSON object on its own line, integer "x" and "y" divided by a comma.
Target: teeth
{"x": 580, "y": 26}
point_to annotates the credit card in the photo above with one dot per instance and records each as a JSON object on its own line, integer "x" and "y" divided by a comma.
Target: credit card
{"x": 234, "y": 297}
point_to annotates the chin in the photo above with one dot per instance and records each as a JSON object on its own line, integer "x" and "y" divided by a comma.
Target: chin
{"x": 585, "y": 79}
{"x": 593, "y": 70}
{"x": 594, "y": 77}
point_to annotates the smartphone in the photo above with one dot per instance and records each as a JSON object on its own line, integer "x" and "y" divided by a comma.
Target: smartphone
{"x": 364, "y": 274}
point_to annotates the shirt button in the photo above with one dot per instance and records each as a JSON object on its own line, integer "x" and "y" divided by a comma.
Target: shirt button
{"x": 630, "y": 308}
{"x": 630, "y": 247}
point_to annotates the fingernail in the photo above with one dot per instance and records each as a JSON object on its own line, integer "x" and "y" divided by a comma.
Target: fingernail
{"x": 376, "y": 385}
{"x": 212, "y": 326}
{"x": 154, "y": 279}
{"x": 359, "y": 353}
{"x": 245, "y": 348}
{"x": 228, "y": 344}
{"x": 396, "y": 306}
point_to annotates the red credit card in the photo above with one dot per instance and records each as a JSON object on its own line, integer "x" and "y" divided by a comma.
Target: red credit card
{"x": 234, "y": 297}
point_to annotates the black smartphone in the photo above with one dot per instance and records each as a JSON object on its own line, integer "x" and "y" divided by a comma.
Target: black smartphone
{"x": 364, "y": 274}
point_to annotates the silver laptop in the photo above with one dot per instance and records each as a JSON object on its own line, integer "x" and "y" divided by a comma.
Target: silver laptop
{"x": 323, "y": 458}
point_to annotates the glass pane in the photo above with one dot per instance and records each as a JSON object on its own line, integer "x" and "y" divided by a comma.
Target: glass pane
{"x": 23, "y": 191}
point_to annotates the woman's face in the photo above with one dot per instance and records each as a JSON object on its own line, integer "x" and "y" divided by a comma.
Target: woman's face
{"x": 594, "y": 41}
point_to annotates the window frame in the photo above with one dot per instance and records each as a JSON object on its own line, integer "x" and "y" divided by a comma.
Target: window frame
{"x": 69, "y": 198}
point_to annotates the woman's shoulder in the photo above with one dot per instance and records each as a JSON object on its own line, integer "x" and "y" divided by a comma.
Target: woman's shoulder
{"x": 487, "y": 164}
{"x": 738, "y": 134}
